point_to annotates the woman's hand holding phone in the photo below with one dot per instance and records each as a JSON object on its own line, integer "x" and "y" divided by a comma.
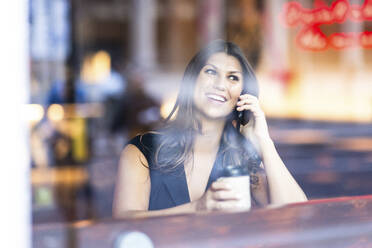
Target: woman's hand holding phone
{"x": 256, "y": 130}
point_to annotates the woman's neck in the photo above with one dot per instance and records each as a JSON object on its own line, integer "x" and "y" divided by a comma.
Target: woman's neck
{"x": 211, "y": 131}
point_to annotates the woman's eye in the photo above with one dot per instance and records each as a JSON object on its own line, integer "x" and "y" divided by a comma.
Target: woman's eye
{"x": 234, "y": 78}
{"x": 210, "y": 71}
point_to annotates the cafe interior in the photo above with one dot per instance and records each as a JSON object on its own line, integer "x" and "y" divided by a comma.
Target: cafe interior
{"x": 102, "y": 71}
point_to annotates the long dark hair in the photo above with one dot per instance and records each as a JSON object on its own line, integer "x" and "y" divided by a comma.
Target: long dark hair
{"x": 175, "y": 146}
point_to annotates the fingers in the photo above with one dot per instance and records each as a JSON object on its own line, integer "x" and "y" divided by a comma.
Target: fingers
{"x": 249, "y": 102}
{"x": 220, "y": 185}
{"x": 251, "y": 107}
{"x": 247, "y": 99}
{"x": 223, "y": 195}
{"x": 248, "y": 96}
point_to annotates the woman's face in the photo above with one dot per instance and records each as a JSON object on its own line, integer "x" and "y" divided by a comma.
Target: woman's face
{"x": 218, "y": 86}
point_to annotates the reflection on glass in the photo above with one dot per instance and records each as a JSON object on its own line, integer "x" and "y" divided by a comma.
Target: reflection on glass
{"x": 219, "y": 124}
{"x": 126, "y": 70}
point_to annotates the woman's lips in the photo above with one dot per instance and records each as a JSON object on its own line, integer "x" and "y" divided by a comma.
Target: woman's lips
{"x": 216, "y": 97}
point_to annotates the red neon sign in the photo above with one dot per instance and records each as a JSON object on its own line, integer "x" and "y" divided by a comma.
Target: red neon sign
{"x": 310, "y": 37}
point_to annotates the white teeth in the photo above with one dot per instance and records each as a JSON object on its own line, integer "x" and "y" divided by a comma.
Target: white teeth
{"x": 216, "y": 97}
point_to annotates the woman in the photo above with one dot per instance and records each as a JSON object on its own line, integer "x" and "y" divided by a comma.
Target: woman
{"x": 179, "y": 168}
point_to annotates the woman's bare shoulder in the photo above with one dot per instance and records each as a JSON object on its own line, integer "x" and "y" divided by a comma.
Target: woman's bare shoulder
{"x": 132, "y": 156}
{"x": 132, "y": 188}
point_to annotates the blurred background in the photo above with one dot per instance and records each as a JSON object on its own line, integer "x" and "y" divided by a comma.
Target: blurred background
{"x": 102, "y": 71}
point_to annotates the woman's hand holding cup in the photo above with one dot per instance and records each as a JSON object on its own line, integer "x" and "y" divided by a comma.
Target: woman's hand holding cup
{"x": 226, "y": 194}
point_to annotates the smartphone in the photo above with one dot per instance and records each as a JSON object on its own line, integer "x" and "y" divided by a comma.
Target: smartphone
{"x": 244, "y": 117}
{"x": 252, "y": 89}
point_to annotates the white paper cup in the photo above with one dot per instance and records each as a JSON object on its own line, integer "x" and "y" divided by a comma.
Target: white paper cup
{"x": 240, "y": 185}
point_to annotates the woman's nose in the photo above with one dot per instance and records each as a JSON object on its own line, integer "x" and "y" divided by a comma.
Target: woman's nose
{"x": 219, "y": 83}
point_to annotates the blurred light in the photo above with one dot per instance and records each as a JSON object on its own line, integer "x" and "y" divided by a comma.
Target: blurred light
{"x": 361, "y": 144}
{"x": 55, "y": 112}
{"x": 96, "y": 68}
{"x": 33, "y": 112}
{"x": 90, "y": 110}
{"x": 167, "y": 106}
{"x": 133, "y": 239}
{"x": 294, "y": 14}
{"x": 323, "y": 96}
{"x": 311, "y": 37}
{"x": 82, "y": 223}
{"x": 55, "y": 176}
{"x": 43, "y": 196}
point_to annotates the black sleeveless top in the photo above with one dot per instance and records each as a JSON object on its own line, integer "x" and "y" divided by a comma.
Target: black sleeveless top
{"x": 169, "y": 189}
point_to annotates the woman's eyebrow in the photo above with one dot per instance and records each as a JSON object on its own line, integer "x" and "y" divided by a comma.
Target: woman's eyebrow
{"x": 215, "y": 67}
{"x": 235, "y": 72}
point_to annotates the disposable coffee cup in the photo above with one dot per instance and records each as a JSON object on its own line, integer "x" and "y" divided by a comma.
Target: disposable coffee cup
{"x": 238, "y": 178}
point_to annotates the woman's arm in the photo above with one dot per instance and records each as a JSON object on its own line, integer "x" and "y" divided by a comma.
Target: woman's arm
{"x": 259, "y": 187}
{"x": 132, "y": 192}
{"x": 282, "y": 186}
{"x": 132, "y": 189}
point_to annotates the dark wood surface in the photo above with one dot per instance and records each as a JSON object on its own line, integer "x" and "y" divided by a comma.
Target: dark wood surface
{"x": 336, "y": 222}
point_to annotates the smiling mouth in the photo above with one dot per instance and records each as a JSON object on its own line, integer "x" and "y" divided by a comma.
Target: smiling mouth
{"x": 216, "y": 97}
